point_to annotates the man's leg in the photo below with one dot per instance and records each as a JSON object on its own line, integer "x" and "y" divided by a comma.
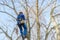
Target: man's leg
{"x": 25, "y": 29}
{"x": 21, "y": 31}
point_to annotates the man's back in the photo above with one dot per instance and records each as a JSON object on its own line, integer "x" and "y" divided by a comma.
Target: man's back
{"x": 20, "y": 18}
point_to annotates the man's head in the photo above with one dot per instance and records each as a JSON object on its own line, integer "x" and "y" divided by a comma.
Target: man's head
{"x": 20, "y": 12}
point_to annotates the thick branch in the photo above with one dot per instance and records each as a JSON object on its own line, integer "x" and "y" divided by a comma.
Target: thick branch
{"x": 56, "y": 15}
{"x": 12, "y": 32}
{"x": 14, "y": 7}
{"x": 5, "y": 33}
{"x": 30, "y": 8}
{"x": 18, "y": 37}
{"x": 46, "y": 7}
{"x": 33, "y": 25}
{"x": 6, "y": 5}
{"x": 8, "y": 14}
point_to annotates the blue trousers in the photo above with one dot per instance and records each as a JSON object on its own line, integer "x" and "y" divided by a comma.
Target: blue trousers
{"x": 23, "y": 29}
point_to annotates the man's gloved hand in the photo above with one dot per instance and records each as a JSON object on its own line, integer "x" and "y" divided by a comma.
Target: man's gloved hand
{"x": 22, "y": 21}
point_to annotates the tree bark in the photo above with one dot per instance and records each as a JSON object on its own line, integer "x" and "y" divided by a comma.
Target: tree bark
{"x": 28, "y": 22}
{"x": 37, "y": 21}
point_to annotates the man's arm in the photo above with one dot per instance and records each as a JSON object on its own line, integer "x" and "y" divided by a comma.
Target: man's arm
{"x": 23, "y": 17}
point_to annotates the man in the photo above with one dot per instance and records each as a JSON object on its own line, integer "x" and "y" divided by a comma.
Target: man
{"x": 21, "y": 24}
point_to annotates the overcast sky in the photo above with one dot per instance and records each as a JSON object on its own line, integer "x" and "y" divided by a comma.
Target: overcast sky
{"x": 7, "y": 20}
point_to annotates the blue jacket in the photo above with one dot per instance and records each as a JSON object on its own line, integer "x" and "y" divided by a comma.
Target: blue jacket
{"x": 20, "y": 17}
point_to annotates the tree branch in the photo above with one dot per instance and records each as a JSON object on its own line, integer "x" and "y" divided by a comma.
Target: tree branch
{"x": 5, "y": 33}
{"x": 6, "y": 5}
{"x": 46, "y": 7}
{"x": 28, "y": 7}
{"x": 56, "y": 15}
{"x": 18, "y": 37}
{"x": 12, "y": 32}
{"x": 8, "y": 14}
{"x": 32, "y": 25}
{"x": 14, "y": 7}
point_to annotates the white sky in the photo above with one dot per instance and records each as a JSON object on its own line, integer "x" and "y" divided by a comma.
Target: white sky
{"x": 5, "y": 19}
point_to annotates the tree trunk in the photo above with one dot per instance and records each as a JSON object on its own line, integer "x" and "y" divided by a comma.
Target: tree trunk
{"x": 55, "y": 23}
{"x": 28, "y": 22}
{"x": 37, "y": 21}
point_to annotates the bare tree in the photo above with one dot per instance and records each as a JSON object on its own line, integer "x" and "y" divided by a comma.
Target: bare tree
{"x": 38, "y": 10}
